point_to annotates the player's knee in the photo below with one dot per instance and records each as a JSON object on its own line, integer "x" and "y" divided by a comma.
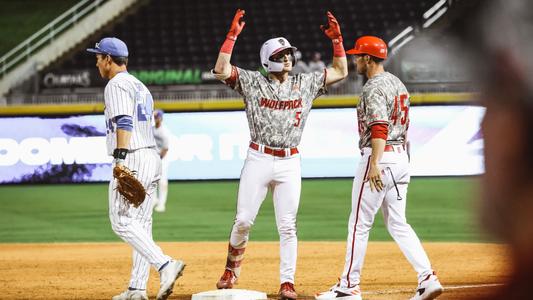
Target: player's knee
{"x": 287, "y": 230}
{"x": 118, "y": 226}
{"x": 363, "y": 228}
{"x": 243, "y": 226}
{"x": 397, "y": 226}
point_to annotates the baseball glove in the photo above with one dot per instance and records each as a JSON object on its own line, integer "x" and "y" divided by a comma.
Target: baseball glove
{"x": 128, "y": 186}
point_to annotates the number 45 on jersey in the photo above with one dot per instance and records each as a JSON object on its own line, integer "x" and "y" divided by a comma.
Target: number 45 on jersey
{"x": 400, "y": 111}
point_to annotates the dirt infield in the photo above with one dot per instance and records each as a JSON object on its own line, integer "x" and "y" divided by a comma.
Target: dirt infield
{"x": 99, "y": 271}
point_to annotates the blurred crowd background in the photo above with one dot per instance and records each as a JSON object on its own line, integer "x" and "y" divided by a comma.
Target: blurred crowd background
{"x": 174, "y": 44}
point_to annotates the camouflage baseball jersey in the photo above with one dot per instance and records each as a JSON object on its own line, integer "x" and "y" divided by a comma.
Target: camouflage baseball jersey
{"x": 277, "y": 112}
{"x": 384, "y": 100}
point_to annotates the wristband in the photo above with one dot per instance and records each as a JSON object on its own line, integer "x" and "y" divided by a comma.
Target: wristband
{"x": 227, "y": 46}
{"x": 338, "y": 47}
{"x": 120, "y": 153}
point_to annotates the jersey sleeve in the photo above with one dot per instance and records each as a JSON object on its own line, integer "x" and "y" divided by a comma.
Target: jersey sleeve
{"x": 376, "y": 107}
{"x": 240, "y": 80}
{"x": 119, "y": 101}
{"x": 314, "y": 83}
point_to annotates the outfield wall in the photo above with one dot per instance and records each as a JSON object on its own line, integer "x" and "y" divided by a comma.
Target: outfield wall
{"x": 226, "y": 104}
{"x": 445, "y": 141}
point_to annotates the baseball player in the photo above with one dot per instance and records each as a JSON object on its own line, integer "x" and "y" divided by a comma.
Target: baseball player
{"x": 382, "y": 176}
{"x": 277, "y": 106}
{"x": 130, "y": 140}
{"x": 161, "y": 136}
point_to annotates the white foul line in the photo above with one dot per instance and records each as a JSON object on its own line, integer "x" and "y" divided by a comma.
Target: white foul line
{"x": 473, "y": 286}
{"x": 448, "y": 287}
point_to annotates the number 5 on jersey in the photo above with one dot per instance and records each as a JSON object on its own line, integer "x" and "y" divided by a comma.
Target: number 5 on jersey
{"x": 298, "y": 118}
{"x": 400, "y": 111}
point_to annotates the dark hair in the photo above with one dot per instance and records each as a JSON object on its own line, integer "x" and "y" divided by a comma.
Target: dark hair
{"x": 376, "y": 59}
{"x": 373, "y": 58}
{"x": 119, "y": 60}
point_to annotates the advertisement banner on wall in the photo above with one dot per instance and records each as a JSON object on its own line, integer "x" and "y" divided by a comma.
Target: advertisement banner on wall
{"x": 91, "y": 78}
{"x": 445, "y": 141}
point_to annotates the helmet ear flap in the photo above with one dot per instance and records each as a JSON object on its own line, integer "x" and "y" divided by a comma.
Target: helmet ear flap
{"x": 294, "y": 59}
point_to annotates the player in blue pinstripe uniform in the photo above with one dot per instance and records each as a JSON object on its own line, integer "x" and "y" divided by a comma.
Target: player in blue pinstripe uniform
{"x": 130, "y": 140}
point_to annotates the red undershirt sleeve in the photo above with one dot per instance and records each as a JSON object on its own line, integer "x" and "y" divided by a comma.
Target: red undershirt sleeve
{"x": 379, "y": 131}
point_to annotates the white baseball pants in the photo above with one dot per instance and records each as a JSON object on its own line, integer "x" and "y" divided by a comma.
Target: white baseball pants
{"x": 283, "y": 175}
{"x": 162, "y": 188}
{"x": 392, "y": 201}
{"x": 134, "y": 225}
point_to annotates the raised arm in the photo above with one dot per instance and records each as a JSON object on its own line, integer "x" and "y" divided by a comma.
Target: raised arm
{"x": 222, "y": 68}
{"x": 339, "y": 67}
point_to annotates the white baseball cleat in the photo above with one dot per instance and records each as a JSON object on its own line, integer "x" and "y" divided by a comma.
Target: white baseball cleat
{"x": 338, "y": 293}
{"x": 168, "y": 277}
{"x": 160, "y": 208}
{"x": 428, "y": 289}
{"x": 131, "y": 295}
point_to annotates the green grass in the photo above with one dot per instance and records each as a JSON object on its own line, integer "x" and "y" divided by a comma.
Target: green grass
{"x": 19, "y": 19}
{"x": 439, "y": 209}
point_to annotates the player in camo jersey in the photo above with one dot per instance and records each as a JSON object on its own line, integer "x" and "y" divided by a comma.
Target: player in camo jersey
{"x": 130, "y": 140}
{"x": 161, "y": 135}
{"x": 277, "y": 106}
{"x": 382, "y": 177}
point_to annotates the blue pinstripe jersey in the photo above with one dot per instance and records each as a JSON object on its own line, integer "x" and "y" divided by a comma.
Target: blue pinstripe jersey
{"x": 126, "y": 95}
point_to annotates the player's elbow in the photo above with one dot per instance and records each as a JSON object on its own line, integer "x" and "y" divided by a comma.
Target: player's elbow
{"x": 221, "y": 73}
{"x": 218, "y": 69}
{"x": 222, "y": 69}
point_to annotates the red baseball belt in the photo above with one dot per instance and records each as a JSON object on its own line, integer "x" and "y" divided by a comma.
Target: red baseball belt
{"x": 274, "y": 152}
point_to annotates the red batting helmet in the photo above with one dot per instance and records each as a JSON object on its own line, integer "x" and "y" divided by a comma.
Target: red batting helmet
{"x": 370, "y": 45}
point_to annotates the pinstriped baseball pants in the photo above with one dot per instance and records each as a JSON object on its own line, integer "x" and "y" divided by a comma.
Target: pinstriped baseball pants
{"x": 134, "y": 225}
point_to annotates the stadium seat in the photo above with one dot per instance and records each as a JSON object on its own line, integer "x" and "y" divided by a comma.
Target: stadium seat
{"x": 167, "y": 33}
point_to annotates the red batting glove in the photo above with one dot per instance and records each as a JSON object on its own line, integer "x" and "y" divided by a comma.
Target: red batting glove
{"x": 332, "y": 30}
{"x": 236, "y": 25}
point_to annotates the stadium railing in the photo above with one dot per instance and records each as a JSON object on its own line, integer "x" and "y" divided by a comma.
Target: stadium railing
{"x": 46, "y": 34}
